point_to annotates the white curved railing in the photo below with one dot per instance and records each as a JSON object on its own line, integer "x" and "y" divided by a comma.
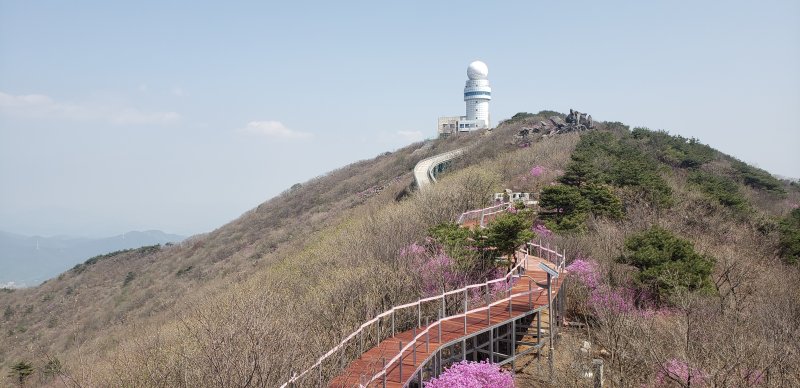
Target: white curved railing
{"x": 481, "y": 214}
{"x": 551, "y": 255}
{"x": 423, "y": 170}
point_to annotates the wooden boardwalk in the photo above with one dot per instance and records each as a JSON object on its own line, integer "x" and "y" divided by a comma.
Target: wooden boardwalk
{"x": 452, "y": 329}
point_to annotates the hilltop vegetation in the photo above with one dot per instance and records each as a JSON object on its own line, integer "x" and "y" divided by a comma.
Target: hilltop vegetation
{"x": 28, "y": 261}
{"x": 680, "y": 240}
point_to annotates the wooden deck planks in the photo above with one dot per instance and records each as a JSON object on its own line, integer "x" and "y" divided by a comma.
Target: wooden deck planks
{"x": 370, "y": 363}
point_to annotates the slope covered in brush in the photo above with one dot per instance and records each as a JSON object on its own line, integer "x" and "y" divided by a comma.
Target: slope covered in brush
{"x": 304, "y": 269}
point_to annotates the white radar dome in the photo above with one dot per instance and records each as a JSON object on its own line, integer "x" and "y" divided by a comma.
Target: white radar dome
{"x": 477, "y": 70}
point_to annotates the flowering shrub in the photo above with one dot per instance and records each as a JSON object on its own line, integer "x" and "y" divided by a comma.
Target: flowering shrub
{"x": 602, "y": 298}
{"x": 681, "y": 371}
{"x": 585, "y": 271}
{"x": 413, "y": 250}
{"x": 469, "y": 374}
{"x": 537, "y": 171}
{"x": 609, "y": 300}
{"x": 437, "y": 270}
{"x": 542, "y": 231}
{"x": 439, "y": 274}
{"x": 500, "y": 288}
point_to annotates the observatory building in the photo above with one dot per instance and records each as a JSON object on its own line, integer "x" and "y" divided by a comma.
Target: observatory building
{"x": 477, "y": 94}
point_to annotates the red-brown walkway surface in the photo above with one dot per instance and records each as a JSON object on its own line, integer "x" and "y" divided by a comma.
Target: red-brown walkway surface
{"x": 370, "y": 363}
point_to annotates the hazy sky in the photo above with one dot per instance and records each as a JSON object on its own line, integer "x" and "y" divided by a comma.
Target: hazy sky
{"x": 180, "y": 116}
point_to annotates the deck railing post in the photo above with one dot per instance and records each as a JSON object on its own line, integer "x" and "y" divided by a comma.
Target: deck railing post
{"x": 414, "y": 349}
{"x": 513, "y": 343}
{"x": 491, "y": 345}
{"x": 488, "y": 309}
{"x": 530, "y": 294}
{"x": 465, "y": 311}
{"x": 383, "y": 361}
{"x": 439, "y": 329}
{"x": 444, "y": 307}
{"x": 510, "y": 288}
{"x": 597, "y": 372}
{"x": 392, "y": 323}
{"x": 400, "y": 345}
{"x": 539, "y": 336}
{"x": 361, "y": 342}
{"x": 419, "y": 314}
{"x": 427, "y": 334}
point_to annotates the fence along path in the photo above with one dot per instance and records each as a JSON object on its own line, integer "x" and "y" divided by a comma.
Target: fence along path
{"x": 396, "y": 356}
{"x": 423, "y": 170}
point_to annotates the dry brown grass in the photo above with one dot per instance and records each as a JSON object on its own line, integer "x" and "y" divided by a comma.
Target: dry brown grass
{"x": 265, "y": 295}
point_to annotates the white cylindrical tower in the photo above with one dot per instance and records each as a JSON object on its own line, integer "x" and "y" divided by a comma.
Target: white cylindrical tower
{"x": 477, "y": 92}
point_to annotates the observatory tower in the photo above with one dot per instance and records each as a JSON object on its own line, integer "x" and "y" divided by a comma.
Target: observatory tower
{"x": 477, "y": 94}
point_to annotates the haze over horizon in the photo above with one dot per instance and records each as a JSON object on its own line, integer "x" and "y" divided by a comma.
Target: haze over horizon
{"x": 180, "y": 117}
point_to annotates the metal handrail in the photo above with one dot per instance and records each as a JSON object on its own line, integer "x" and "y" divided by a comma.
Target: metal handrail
{"x": 559, "y": 259}
{"x": 531, "y": 281}
{"x": 423, "y": 170}
{"x": 413, "y": 343}
{"x": 443, "y": 158}
{"x": 491, "y": 209}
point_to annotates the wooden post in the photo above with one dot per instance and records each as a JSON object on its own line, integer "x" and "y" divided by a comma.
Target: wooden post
{"x": 383, "y": 360}
{"x": 530, "y": 294}
{"x": 465, "y": 311}
{"x": 597, "y": 371}
{"x": 513, "y": 344}
{"x": 439, "y": 331}
{"x": 400, "y": 345}
{"x": 414, "y": 349}
{"x": 427, "y": 335}
{"x": 491, "y": 345}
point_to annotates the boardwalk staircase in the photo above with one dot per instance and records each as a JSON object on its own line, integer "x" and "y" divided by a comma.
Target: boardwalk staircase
{"x": 498, "y": 320}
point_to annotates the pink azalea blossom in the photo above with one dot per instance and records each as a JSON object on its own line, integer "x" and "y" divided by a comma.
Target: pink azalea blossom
{"x": 437, "y": 270}
{"x": 605, "y": 300}
{"x": 586, "y": 271}
{"x": 470, "y": 374}
{"x": 537, "y": 171}
{"x": 542, "y": 231}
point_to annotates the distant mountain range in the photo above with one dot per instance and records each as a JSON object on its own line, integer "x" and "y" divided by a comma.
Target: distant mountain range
{"x": 27, "y": 261}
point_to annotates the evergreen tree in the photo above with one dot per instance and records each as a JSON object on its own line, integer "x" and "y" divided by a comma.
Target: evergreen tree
{"x": 667, "y": 263}
{"x": 20, "y": 372}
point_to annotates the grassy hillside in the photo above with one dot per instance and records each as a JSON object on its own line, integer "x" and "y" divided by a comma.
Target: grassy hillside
{"x": 28, "y": 261}
{"x": 269, "y": 292}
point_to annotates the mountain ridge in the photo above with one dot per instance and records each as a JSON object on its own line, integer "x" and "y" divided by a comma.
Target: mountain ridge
{"x": 327, "y": 249}
{"x": 30, "y": 260}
